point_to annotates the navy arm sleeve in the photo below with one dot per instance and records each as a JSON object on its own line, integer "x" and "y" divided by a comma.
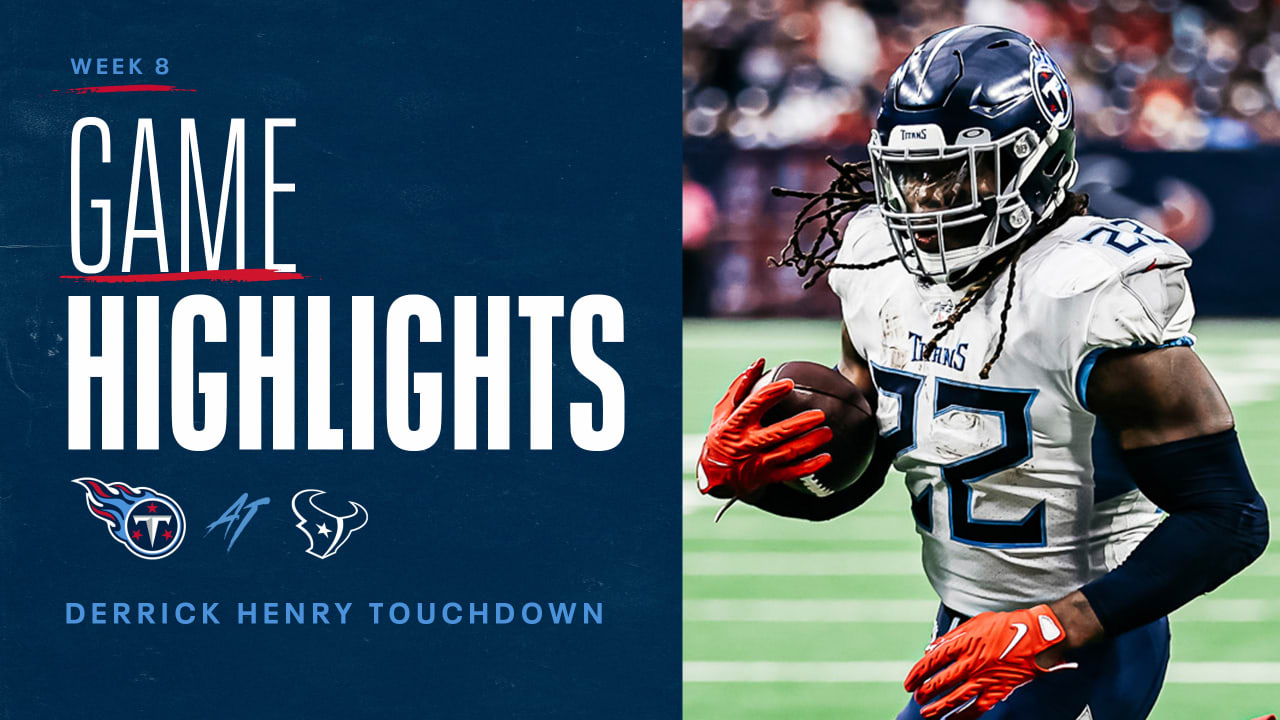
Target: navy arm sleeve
{"x": 1217, "y": 525}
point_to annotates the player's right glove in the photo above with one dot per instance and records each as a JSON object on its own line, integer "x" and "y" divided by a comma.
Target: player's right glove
{"x": 964, "y": 673}
{"x": 741, "y": 456}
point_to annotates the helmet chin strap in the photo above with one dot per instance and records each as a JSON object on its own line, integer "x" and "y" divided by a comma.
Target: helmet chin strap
{"x": 1028, "y": 235}
{"x": 1068, "y": 179}
{"x": 958, "y": 277}
{"x": 980, "y": 268}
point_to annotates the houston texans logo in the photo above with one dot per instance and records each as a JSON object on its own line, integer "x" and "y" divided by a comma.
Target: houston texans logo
{"x": 1052, "y": 93}
{"x": 151, "y": 525}
{"x": 333, "y": 530}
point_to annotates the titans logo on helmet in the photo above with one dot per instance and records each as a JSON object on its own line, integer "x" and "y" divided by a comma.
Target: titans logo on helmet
{"x": 1052, "y": 93}
{"x": 149, "y": 524}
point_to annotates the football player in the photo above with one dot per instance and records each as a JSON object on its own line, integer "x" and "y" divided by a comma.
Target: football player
{"x": 1073, "y": 467}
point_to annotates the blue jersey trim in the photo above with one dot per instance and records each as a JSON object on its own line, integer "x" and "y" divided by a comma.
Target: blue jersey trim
{"x": 1086, "y": 365}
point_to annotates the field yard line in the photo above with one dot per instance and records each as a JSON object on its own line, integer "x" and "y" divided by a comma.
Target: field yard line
{"x": 698, "y": 671}
{"x": 754, "y": 341}
{"x": 736, "y": 610}
{"x": 1223, "y": 673}
{"x": 906, "y": 562}
{"x": 826, "y": 349}
{"x": 917, "y": 611}
{"x": 690, "y": 447}
{"x": 695, "y": 503}
{"x": 898, "y": 526}
{"x": 802, "y": 563}
{"x": 1179, "y": 673}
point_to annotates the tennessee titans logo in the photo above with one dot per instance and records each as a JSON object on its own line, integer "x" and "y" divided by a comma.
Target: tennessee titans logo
{"x": 1052, "y": 93}
{"x": 149, "y": 524}
{"x": 325, "y": 531}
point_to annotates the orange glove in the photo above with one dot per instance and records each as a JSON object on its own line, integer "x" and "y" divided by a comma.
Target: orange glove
{"x": 741, "y": 456}
{"x": 983, "y": 661}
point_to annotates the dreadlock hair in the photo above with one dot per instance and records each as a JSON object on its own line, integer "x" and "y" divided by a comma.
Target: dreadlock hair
{"x": 849, "y": 192}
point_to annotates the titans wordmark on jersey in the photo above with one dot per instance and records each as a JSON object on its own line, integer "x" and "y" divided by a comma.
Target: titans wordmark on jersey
{"x": 1016, "y": 489}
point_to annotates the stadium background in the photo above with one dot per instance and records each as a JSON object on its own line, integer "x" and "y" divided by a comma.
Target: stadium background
{"x": 1179, "y": 125}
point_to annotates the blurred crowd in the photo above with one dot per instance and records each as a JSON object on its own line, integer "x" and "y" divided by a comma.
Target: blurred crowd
{"x": 1165, "y": 90}
{"x": 1147, "y": 74}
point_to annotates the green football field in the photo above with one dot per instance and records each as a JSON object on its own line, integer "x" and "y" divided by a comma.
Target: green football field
{"x": 791, "y": 619}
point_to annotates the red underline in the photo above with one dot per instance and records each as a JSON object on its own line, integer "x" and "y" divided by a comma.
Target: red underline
{"x": 244, "y": 275}
{"x": 123, "y": 88}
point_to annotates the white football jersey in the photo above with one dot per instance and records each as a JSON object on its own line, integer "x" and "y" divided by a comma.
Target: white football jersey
{"x": 1016, "y": 489}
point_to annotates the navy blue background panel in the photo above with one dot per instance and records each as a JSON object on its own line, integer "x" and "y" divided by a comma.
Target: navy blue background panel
{"x": 444, "y": 149}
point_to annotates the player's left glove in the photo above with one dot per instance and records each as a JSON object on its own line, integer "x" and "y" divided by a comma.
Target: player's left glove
{"x": 982, "y": 662}
{"x": 740, "y": 456}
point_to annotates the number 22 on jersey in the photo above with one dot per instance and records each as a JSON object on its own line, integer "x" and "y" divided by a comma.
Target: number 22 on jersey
{"x": 1012, "y": 408}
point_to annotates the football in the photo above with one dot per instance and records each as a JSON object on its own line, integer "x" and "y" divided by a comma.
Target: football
{"x": 852, "y": 423}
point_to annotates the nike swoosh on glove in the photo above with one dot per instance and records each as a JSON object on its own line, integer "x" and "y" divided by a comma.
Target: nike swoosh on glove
{"x": 741, "y": 456}
{"x": 981, "y": 662}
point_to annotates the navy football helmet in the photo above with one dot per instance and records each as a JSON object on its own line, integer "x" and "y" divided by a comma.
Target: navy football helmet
{"x": 973, "y": 147}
